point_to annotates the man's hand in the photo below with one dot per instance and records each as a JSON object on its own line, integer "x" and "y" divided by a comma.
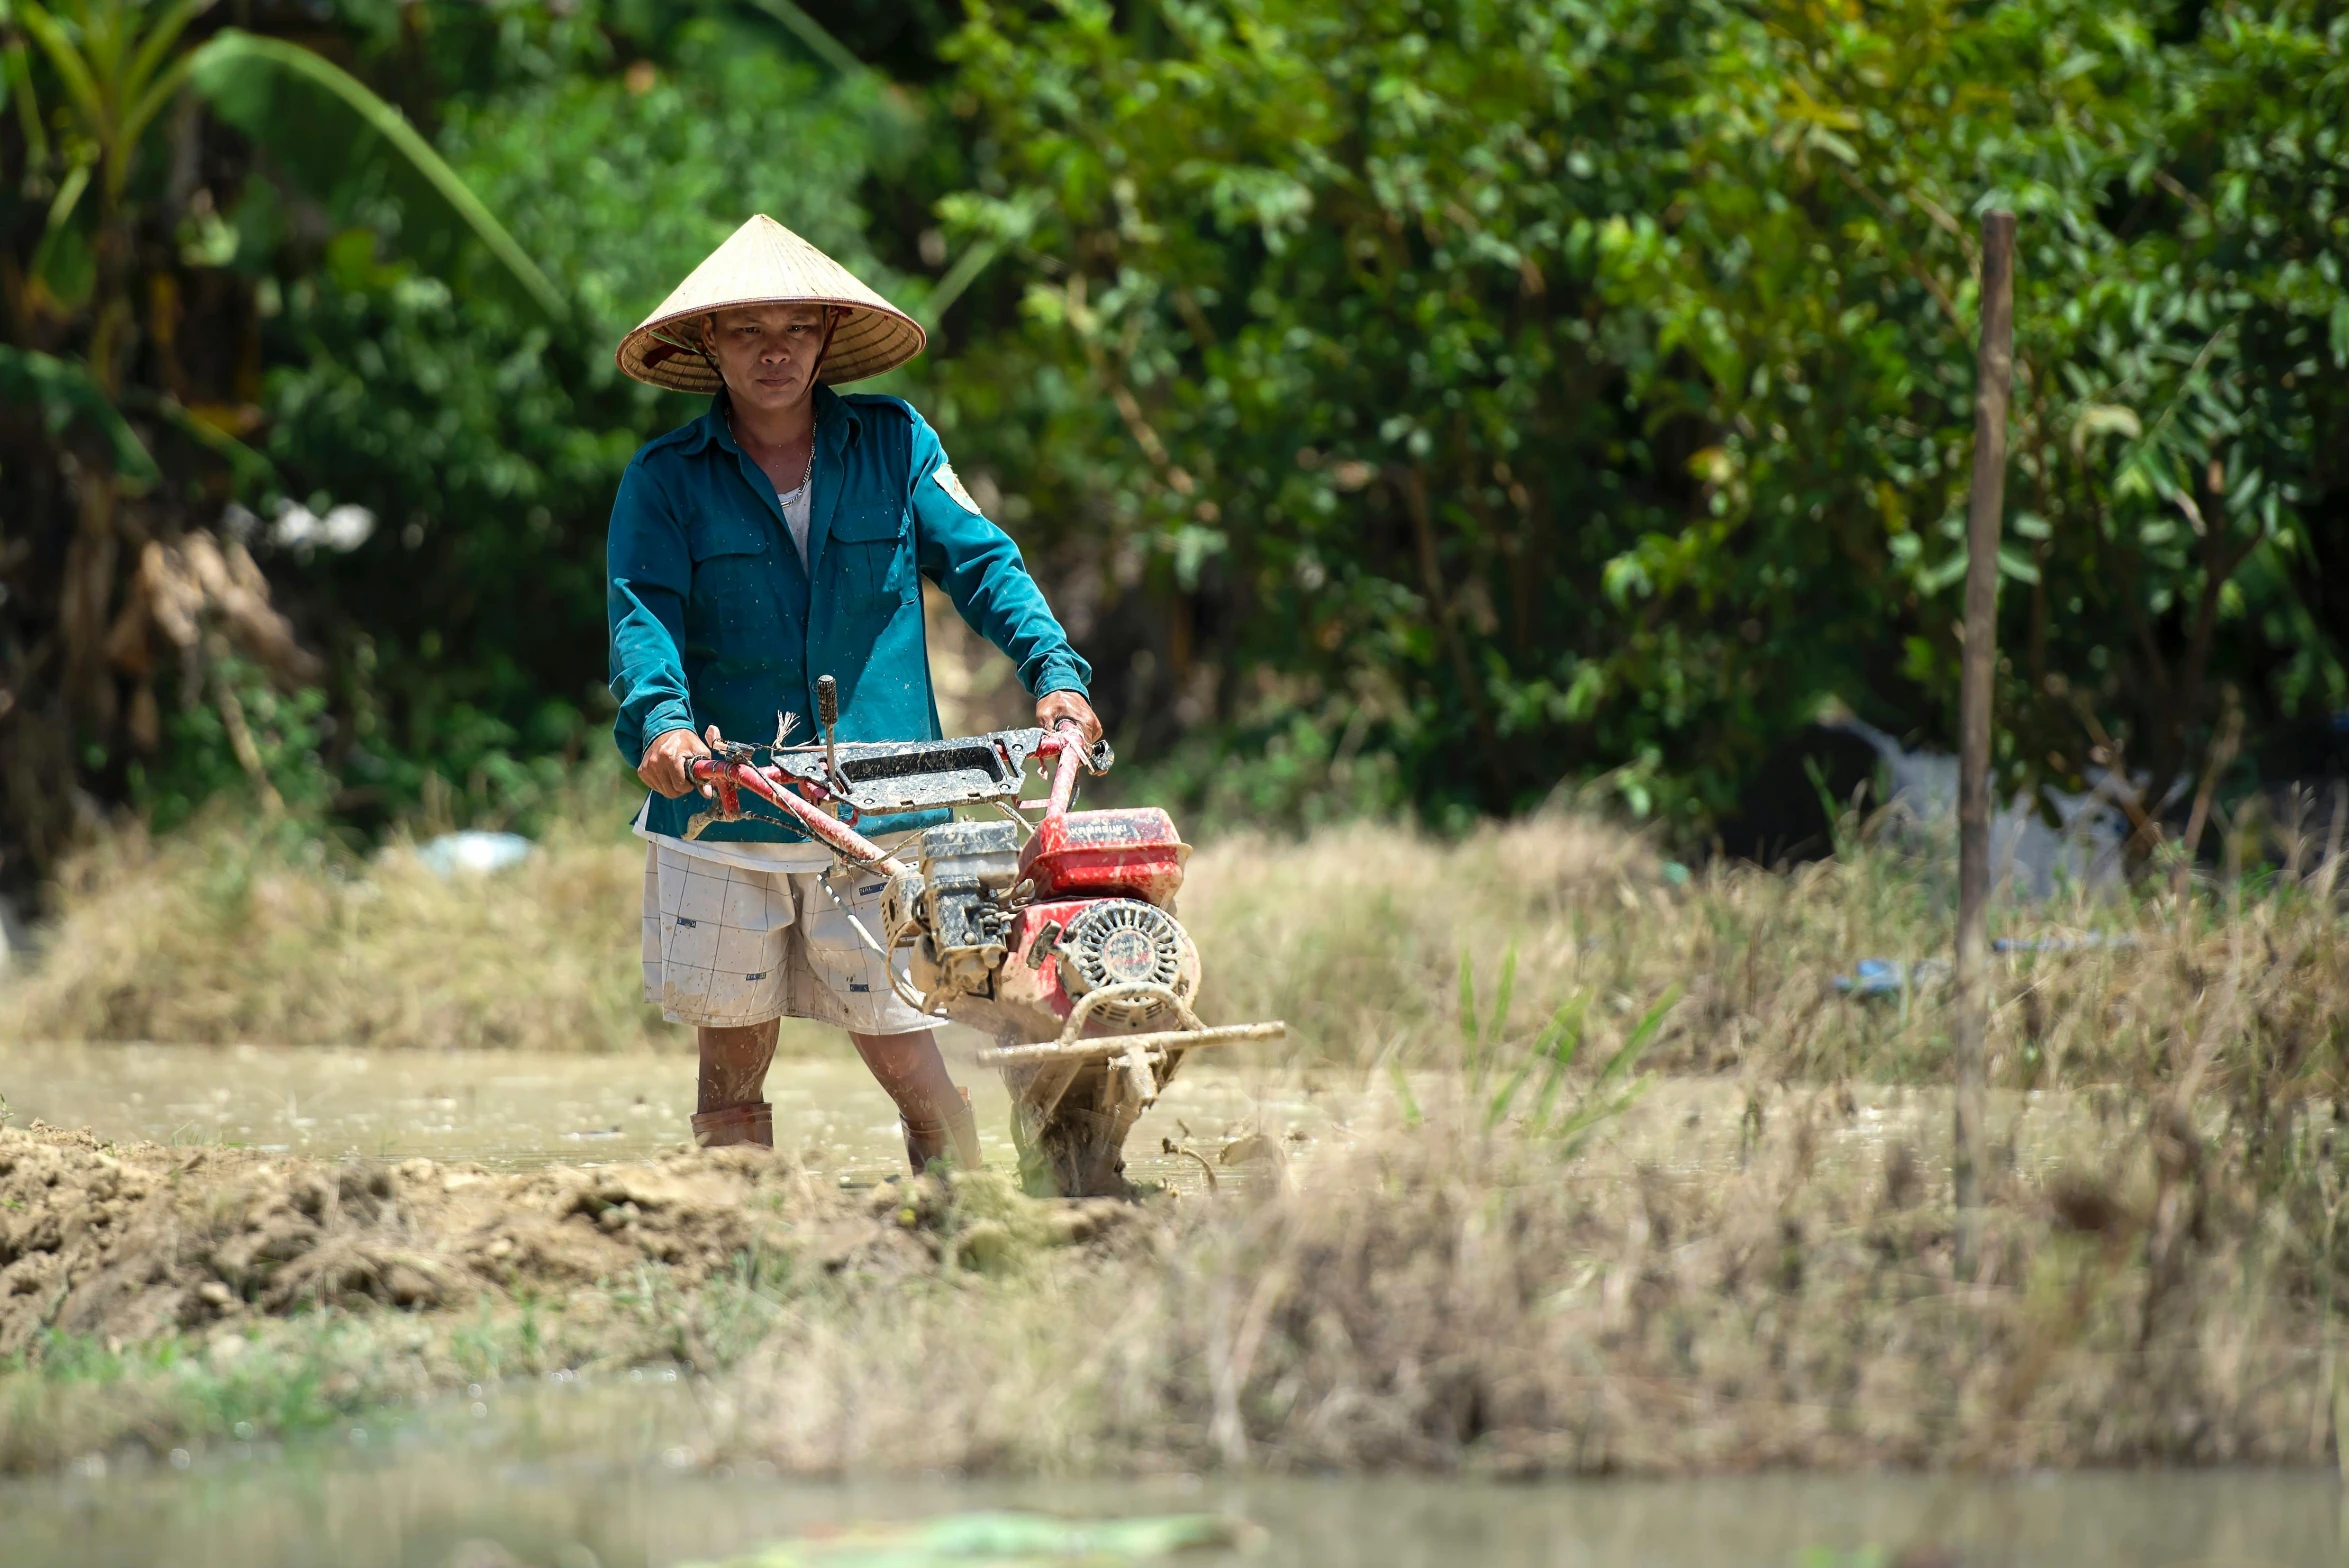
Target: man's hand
{"x": 1055, "y": 706}
{"x": 667, "y": 758}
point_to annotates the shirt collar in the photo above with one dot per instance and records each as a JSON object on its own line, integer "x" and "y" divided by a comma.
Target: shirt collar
{"x": 831, "y": 409}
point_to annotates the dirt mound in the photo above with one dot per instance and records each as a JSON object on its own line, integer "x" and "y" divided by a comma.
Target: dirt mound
{"x": 121, "y": 1241}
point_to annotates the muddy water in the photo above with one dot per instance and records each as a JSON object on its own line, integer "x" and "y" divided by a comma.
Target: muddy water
{"x": 572, "y": 1474}
{"x": 508, "y": 1109}
{"x": 519, "y": 1109}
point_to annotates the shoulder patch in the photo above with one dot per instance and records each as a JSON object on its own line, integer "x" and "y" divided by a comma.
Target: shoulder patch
{"x": 944, "y": 474}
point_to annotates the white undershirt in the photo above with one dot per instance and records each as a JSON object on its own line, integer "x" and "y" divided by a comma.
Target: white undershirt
{"x": 795, "y": 510}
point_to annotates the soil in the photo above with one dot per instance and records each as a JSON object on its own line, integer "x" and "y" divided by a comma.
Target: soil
{"x": 119, "y": 1242}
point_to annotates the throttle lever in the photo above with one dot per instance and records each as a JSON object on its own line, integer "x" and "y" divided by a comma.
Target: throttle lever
{"x": 828, "y": 716}
{"x": 1068, "y": 735}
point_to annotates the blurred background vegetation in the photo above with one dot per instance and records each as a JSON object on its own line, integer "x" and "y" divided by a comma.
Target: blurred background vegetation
{"x": 1408, "y": 406}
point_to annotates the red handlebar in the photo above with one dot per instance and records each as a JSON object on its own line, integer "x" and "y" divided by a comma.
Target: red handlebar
{"x": 1067, "y": 738}
{"x": 731, "y": 778}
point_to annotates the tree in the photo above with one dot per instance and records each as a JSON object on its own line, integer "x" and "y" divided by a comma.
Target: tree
{"x": 103, "y": 246}
{"x": 1536, "y": 391}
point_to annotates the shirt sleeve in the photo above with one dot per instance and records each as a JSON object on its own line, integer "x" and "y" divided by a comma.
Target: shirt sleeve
{"x": 647, "y": 574}
{"x": 979, "y": 567}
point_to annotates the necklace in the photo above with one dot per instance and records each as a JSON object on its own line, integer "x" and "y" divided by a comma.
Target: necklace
{"x": 806, "y": 474}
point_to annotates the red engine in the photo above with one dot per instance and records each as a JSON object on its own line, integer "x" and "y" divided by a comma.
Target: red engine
{"x": 1010, "y": 935}
{"x": 1134, "y": 853}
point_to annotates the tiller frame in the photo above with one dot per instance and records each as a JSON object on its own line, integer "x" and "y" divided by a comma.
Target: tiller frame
{"x": 1075, "y": 1096}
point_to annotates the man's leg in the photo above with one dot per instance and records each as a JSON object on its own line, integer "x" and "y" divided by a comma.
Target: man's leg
{"x": 938, "y": 1120}
{"x": 733, "y": 1076}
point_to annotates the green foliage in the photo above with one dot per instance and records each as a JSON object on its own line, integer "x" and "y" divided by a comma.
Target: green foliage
{"x": 2170, "y": 355}
{"x": 91, "y": 94}
{"x": 300, "y": 1383}
{"x": 1554, "y": 389}
{"x": 1411, "y": 407}
{"x": 199, "y": 760}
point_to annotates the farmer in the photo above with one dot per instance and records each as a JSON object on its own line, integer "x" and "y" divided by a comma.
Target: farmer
{"x": 782, "y": 536}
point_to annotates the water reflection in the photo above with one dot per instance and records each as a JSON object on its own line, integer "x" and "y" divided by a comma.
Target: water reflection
{"x": 611, "y": 1474}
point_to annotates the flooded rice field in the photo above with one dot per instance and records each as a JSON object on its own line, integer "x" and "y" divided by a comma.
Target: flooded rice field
{"x": 524, "y": 1109}
{"x": 516, "y": 1110}
{"x": 577, "y": 1474}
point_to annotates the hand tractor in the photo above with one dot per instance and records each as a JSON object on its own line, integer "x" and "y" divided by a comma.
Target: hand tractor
{"x": 1056, "y": 939}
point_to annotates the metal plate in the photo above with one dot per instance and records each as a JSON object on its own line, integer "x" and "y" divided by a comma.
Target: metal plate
{"x": 915, "y": 775}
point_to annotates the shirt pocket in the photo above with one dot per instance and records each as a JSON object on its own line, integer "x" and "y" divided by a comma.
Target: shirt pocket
{"x": 730, "y": 566}
{"x": 870, "y": 555}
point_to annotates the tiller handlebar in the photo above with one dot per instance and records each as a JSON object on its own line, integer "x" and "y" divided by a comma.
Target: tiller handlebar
{"x": 733, "y": 767}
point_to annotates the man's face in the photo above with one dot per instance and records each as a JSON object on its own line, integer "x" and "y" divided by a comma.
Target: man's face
{"x": 767, "y": 353}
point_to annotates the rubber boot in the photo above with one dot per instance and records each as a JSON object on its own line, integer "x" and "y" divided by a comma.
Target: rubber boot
{"x": 955, "y": 1134}
{"x": 752, "y": 1123}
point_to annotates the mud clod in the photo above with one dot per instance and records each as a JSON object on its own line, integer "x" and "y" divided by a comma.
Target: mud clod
{"x": 126, "y": 1241}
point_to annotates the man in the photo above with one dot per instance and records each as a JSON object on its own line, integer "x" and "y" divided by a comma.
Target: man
{"x": 780, "y": 537}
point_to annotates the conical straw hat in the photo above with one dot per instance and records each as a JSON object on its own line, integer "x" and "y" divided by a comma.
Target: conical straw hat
{"x": 765, "y": 263}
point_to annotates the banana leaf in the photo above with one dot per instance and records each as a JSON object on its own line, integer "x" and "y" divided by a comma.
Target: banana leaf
{"x": 65, "y": 395}
{"x": 1006, "y": 1540}
{"x": 340, "y": 142}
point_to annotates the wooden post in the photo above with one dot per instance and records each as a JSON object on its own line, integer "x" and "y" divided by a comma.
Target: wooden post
{"x": 1993, "y": 372}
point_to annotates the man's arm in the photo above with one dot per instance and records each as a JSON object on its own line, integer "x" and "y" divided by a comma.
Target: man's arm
{"x": 980, "y": 568}
{"x": 647, "y": 575}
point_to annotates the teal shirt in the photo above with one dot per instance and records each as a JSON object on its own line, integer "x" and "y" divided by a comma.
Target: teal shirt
{"x": 715, "y": 621}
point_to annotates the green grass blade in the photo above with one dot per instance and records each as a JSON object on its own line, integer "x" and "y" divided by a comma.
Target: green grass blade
{"x": 1587, "y": 1117}
{"x": 1560, "y": 1040}
{"x": 1468, "y": 1029}
{"x": 1502, "y": 998}
{"x": 1508, "y": 1094}
{"x": 66, "y": 61}
{"x": 1403, "y": 1093}
{"x": 18, "y": 73}
{"x": 61, "y": 210}
{"x": 252, "y": 470}
{"x": 1641, "y": 1034}
{"x": 974, "y": 260}
{"x": 154, "y": 52}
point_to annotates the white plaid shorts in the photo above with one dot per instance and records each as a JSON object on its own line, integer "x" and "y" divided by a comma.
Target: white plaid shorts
{"x": 726, "y": 946}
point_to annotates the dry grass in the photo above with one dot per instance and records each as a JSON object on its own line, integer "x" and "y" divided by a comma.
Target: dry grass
{"x": 1463, "y": 1303}
{"x": 1455, "y": 1294}
{"x": 1357, "y": 935}
{"x": 1503, "y": 1275}
{"x": 211, "y": 937}
{"x": 1360, "y": 935}
{"x": 1503, "y": 1282}
{"x": 215, "y": 936}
